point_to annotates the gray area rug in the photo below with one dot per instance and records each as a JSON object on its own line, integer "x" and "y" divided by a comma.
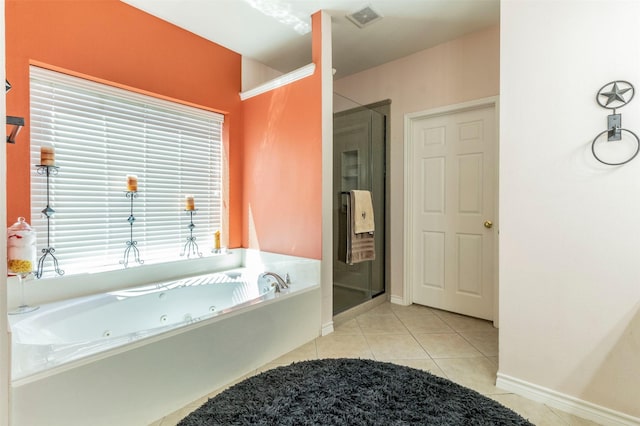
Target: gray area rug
{"x": 350, "y": 392}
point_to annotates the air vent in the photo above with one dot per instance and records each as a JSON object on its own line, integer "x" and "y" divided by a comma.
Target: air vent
{"x": 364, "y": 17}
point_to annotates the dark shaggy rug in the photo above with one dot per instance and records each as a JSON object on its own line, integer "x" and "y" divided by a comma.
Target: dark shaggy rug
{"x": 350, "y": 392}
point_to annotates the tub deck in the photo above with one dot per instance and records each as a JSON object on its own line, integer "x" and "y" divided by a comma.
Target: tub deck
{"x": 142, "y": 381}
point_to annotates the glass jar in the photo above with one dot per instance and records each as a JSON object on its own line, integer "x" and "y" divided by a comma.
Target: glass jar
{"x": 21, "y": 248}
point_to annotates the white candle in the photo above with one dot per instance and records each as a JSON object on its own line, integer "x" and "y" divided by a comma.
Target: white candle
{"x": 132, "y": 183}
{"x": 47, "y": 156}
{"x": 189, "y": 203}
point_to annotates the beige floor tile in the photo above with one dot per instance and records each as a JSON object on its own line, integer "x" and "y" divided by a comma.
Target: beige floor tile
{"x": 572, "y": 420}
{"x": 484, "y": 341}
{"x": 186, "y": 411}
{"x": 303, "y": 353}
{"x": 478, "y": 374}
{"x": 348, "y": 328}
{"x": 395, "y": 346}
{"x": 447, "y": 345}
{"x": 270, "y": 366}
{"x": 382, "y": 309}
{"x": 537, "y": 413}
{"x": 463, "y": 323}
{"x": 345, "y": 346}
{"x": 172, "y": 419}
{"x": 464, "y": 349}
{"x": 428, "y": 365}
{"x": 381, "y": 324}
{"x": 195, "y": 405}
{"x": 175, "y": 417}
{"x": 424, "y": 323}
{"x": 413, "y": 309}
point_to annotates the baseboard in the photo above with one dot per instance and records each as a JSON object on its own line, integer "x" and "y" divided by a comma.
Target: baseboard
{"x": 397, "y": 300}
{"x": 326, "y": 328}
{"x": 570, "y": 404}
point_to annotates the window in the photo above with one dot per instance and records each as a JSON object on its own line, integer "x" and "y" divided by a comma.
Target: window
{"x": 100, "y": 135}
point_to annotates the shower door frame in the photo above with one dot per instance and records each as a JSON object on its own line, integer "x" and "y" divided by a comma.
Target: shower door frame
{"x": 383, "y": 108}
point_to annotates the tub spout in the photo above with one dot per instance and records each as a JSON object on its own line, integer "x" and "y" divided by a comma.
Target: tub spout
{"x": 280, "y": 282}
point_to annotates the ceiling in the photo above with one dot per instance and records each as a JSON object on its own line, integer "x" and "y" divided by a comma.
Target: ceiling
{"x": 264, "y": 29}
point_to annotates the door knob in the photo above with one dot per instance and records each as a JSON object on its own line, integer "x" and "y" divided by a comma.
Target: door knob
{"x": 488, "y": 224}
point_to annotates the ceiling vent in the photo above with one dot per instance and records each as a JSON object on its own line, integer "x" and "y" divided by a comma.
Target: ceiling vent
{"x": 364, "y": 17}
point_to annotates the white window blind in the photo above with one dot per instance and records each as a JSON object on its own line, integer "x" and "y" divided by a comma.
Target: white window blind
{"x": 101, "y": 134}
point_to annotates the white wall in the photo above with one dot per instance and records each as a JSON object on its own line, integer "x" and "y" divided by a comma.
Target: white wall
{"x": 570, "y": 227}
{"x": 327, "y": 172}
{"x": 255, "y": 73}
{"x": 460, "y": 70}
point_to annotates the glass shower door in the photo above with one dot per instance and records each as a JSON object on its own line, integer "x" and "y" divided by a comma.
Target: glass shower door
{"x": 358, "y": 165}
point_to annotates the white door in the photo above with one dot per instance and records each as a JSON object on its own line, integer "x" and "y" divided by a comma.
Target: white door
{"x": 452, "y": 211}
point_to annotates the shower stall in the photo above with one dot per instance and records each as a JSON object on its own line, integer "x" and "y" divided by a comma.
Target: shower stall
{"x": 360, "y": 136}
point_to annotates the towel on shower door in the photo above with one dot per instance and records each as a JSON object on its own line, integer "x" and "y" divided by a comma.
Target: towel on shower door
{"x": 360, "y": 245}
{"x": 362, "y": 208}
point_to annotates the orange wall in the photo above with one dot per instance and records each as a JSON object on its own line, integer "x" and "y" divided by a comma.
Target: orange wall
{"x": 110, "y": 40}
{"x": 282, "y": 208}
{"x": 273, "y": 141}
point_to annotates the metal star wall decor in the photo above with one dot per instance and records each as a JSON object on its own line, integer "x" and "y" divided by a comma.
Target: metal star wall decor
{"x": 617, "y": 93}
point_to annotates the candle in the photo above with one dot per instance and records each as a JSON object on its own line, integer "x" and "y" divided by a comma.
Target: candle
{"x": 189, "y": 203}
{"x": 217, "y": 239}
{"x": 132, "y": 183}
{"x": 47, "y": 156}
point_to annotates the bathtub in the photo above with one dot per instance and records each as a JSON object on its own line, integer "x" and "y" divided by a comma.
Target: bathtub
{"x": 61, "y": 332}
{"x": 131, "y": 356}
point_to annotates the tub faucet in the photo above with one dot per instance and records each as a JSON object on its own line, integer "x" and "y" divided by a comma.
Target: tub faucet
{"x": 279, "y": 284}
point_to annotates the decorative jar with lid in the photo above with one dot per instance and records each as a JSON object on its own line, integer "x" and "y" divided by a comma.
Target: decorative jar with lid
{"x": 21, "y": 248}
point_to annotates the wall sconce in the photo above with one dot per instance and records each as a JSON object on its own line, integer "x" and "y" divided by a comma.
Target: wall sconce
{"x": 14, "y": 124}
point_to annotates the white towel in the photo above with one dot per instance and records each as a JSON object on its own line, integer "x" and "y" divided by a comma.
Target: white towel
{"x": 360, "y": 246}
{"x": 362, "y": 208}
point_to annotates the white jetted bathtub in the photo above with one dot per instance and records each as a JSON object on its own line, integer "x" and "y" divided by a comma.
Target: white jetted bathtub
{"x": 129, "y": 357}
{"x": 65, "y": 331}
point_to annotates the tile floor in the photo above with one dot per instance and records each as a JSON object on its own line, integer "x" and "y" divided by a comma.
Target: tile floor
{"x": 462, "y": 349}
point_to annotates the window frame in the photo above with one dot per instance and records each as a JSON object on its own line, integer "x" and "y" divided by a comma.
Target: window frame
{"x": 117, "y": 187}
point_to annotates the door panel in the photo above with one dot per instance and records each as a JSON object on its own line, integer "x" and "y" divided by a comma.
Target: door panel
{"x": 433, "y": 178}
{"x": 433, "y": 247}
{"x": 452, "y": 196}
{"x": 470, "y": 184}
{"x": 469, "y": 263}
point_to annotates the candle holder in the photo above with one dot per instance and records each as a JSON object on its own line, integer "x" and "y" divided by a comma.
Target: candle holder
{"x": 23, "y": 308}
{"x": 43, "y": 169}
{"x": 217, "y": 249}
{"x": 191, "y": 246}
{"x": 132, "y": 245}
